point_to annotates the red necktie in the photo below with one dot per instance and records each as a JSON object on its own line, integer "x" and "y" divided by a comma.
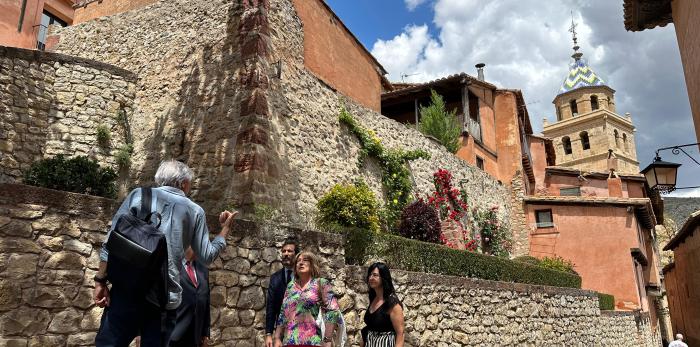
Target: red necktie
{"x": 190, "y": 272}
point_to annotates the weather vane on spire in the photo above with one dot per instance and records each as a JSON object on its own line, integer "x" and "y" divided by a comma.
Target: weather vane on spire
{"x": 577, "y": 55}
{"x": 572, "y": 29}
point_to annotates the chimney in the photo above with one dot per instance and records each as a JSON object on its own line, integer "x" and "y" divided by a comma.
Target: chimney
{"x": 480, "y": 71}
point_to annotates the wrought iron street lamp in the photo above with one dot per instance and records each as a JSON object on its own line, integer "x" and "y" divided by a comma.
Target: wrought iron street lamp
{"x": 662, "y": 175}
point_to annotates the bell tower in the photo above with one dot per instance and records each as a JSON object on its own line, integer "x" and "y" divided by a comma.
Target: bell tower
{"x": 587, "y": 123}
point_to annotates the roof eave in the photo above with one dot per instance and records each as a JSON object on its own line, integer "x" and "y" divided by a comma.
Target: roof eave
{"x": 687, "y": 230}
{"x": 644, "y": 14}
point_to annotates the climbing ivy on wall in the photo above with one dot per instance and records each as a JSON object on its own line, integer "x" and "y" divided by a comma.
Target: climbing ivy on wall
{"x": 396, "y": 177}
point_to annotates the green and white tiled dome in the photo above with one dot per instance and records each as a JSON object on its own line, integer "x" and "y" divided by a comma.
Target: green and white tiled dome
{"x": 580, "y": 75}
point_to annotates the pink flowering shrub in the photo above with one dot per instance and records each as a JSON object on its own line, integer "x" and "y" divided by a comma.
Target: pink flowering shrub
{"x": 449, "y": 204}
{"x": 495, "y": 238}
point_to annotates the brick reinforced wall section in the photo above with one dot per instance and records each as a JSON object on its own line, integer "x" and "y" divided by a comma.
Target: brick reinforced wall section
{"x": 52, "y": 104}
{"x": 48, "y": 255}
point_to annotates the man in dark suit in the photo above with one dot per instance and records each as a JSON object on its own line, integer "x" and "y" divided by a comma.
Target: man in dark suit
{"x": 193, "y": 316}
{"x": 278, "y": 285}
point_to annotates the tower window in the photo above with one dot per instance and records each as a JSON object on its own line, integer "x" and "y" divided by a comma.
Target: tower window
{"x": 594, "y": 102}
{"x": 574, "y": 108}
{"x": 585, "y": 143}
{"x": 566, "y": 142}
{"x": 617, "y": 138}
{"x": 624, "y": 141}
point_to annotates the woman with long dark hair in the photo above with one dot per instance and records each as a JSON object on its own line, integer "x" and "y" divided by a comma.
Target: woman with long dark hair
{"x": 384, "y": 316}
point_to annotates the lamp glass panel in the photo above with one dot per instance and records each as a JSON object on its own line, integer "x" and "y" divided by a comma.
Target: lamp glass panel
{"x": 666, "y": 175}
{"x": 651, "y": 177}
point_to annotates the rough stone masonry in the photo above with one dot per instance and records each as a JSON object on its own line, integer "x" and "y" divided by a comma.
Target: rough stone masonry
{"x": 53, "y": 104}
{"x": 222, "y": 86}
{"x": 49, "y": 243}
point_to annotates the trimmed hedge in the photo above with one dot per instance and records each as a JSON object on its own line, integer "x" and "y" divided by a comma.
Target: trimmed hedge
{"x": 606, "y": 302}
{"x": 411, "y": 255}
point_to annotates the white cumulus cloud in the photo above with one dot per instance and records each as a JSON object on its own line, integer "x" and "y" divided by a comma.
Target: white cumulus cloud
{"x": 412, "y": 4}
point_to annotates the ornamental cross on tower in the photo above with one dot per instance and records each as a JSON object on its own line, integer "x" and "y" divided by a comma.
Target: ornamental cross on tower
{"x": 572, "y": 29}
{"x": 577, "y": 55}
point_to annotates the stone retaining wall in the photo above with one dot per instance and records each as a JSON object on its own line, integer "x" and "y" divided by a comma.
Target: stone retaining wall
{"x": 48, "y": 256}
{"x": 52, "y": 104}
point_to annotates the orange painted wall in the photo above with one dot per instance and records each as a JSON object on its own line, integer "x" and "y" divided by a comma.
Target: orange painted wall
{"x": 683, "y": 286}
{"x": 686, "y": 19}
{"x": 331, "y": 53}
{"x": 597, "y": 239}
{"x": 507, "y": 136}
{"x": 486, "y": 149}
{"x": 27, "y": 38}
{"x": 539, "y": 161}
{"x": 470, "y": 149}
{"x": 105, "y": 8}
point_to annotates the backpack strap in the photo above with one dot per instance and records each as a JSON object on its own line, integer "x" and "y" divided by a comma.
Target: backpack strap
{"x": 146, "y": 199}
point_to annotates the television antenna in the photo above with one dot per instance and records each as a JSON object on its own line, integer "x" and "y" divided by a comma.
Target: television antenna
{"x": 403, "y": 76}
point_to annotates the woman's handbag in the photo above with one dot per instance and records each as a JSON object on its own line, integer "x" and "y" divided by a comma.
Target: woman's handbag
{"x": 341, "y": 335}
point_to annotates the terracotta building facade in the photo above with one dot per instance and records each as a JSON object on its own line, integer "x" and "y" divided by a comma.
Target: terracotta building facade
{"x": 337, "y": 57}
{"x": 495, "y": 122}
{"x": 682, "y": 278}
{"x": 25, "y": 24}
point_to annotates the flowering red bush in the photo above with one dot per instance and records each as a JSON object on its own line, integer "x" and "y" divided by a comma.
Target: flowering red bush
{"x": 448, "y": 202}
{"x": 421, "y": 222}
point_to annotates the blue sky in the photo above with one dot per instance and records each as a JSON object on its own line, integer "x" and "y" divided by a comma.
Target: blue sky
{"x": 526, "y": 45}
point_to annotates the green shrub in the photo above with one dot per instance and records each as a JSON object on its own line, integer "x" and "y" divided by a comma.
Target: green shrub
{"x": 349, "y": 206}
{"x": 79, "y": 175}
{"x": 363, "y": 246}
{"x": 123, "y": 156}
{"x": 396, "y": 177}
{"x": 440, "y": 124}
{"x": 103, "y": 136}
{"x": 558, "y": 263}
{"x": 527, "y": 259}
{"x": 606, "y": 302}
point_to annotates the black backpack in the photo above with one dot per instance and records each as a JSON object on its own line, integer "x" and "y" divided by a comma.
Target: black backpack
{"x": 138, "y": 254}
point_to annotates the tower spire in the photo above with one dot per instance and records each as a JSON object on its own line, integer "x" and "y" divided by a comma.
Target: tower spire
{"x": 577, "y": 55}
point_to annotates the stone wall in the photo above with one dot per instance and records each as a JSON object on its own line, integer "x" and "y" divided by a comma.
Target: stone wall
{"x": 48, "y": 256}
{"x": 49, "y": 243}
{"x": 52, "y": 104}
{"x": 320, "y": 152}
{"x": 188, "y": 98}
{"x": 209, "y": 94}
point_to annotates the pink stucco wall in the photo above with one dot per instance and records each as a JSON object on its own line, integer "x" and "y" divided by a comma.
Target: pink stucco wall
{"x": 597, "y": 239}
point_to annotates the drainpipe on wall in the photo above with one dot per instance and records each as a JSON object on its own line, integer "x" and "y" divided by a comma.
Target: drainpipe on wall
{"x": 21, "y": 15}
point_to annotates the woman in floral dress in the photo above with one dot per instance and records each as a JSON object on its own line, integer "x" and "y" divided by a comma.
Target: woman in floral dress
{"x": 305, "y": 297}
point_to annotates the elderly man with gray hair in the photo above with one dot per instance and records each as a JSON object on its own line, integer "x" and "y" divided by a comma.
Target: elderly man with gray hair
{"x": 184, "y": 224}
{"x": 678, "y": 342}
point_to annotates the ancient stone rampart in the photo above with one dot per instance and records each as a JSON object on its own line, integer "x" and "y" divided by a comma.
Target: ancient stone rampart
{"x": 53, "y": 104}
{"x": 48, "y": 255}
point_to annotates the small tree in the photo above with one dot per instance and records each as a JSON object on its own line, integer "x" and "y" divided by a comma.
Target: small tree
{"x": 440, "y": 124}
